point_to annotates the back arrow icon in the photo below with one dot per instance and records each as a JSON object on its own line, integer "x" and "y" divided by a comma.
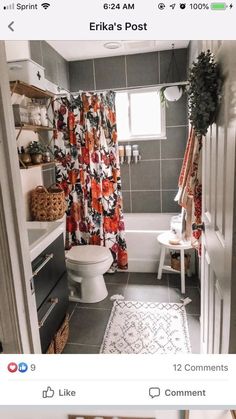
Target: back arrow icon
{"x": 10, "y": 26}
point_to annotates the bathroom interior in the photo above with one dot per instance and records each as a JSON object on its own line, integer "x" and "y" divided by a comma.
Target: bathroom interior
{"x": 73, "y": 412}
{"x": 105, "y": 118}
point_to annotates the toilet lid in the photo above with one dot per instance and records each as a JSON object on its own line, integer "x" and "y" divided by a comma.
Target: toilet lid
{"x": 88, "y": 254}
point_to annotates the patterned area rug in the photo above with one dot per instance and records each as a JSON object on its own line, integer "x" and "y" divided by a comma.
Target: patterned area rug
{"x": 146, "y": 328}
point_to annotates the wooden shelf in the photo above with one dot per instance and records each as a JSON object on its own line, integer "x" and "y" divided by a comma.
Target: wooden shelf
{"x": 35, "y": 128}
{"x": 30, "y": 166}
{"x": 32, "y": 92}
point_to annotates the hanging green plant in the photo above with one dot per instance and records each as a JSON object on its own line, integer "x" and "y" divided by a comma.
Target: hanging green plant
{"x": 204, "y": 92}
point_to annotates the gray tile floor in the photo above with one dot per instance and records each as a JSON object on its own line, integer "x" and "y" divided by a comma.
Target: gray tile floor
{"x": 88, "y": 321}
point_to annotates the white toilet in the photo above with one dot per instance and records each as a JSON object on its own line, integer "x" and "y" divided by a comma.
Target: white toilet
{"x": 86, "y": 266}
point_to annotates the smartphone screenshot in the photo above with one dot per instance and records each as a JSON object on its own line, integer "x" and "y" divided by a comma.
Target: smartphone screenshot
{"x": 117, "y": 198}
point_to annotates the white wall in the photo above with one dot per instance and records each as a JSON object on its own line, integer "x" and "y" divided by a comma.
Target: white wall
{"x": 17, "y": 50}
{"x": 36, "y": 412}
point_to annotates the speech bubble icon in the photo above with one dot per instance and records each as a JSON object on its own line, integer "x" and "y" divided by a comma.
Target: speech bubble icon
{"x": 154, "y": 392}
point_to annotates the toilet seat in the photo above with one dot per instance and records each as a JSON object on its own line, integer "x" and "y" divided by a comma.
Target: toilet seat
{"x": 88, "y": 254}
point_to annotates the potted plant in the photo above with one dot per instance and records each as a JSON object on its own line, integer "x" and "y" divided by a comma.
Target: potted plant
{"x": 36, "y": 150}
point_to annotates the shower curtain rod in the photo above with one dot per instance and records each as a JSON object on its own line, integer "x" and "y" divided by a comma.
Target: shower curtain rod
{"x": 124, "y": 89}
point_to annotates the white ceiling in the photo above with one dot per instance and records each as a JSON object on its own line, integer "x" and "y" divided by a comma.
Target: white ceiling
{"x": 83, "y": 50}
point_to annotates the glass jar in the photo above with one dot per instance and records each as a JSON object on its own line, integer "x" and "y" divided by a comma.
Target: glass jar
{"x": 44, "y": 116}
{"x": 34, "y": 114}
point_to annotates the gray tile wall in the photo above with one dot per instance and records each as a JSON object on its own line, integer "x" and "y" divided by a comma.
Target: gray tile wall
{"x": 151, "y": 185}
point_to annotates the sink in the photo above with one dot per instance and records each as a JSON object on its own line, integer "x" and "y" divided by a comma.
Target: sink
{"x": 42, "y": 234}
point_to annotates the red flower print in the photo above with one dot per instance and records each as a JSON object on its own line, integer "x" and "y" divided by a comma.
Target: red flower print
{"x": 95, "y": 240}
{"x": 85, "y": 103}
{"x": 71, "y": 121}
{"x": 112, "y": 117}
{"x": 110, "y": 224}
{"x": 112, "y": 157}
{"x": 122, "y": 258}
{"x": 83, "y": 227}
{"x": 82, "y": 176}
{"x": 114, "y": 224}
{"x": 96, "y": 205}
{"x": 89, "y": 141}
{"x": 85, "y": 155}
{"x": 60, "y": 125}
{"x": 62, "y": 109}
{"x": 107, "y": 225}
{"x": 64, "y": 185}
{"x": 73, "y": 176}
{"x": 96, "y": 189}
{"x": 95, "y": 103}
{"x": 95, "y": 157}
{"x": 106, "y": 159}
{"x": 121, "y": 225}
{"x": 107, "y": 187}
{"x": 76, "y": 211}
{"x": 71, "y": 225}
{"x": 115, "y": 248}
{"x": 114, "y": 137}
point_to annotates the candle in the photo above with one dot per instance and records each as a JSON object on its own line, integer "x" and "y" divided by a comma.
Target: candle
{"x": 121, "y": 150}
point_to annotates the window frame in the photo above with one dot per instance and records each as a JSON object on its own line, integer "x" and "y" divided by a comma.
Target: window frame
{"x": 134, "y": 138}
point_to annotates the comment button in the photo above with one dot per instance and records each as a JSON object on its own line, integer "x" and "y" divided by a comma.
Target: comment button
{"x": 154, "y": 392}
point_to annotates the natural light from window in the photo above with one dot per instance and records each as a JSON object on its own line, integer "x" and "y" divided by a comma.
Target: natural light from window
{"x": 140, "y": 115}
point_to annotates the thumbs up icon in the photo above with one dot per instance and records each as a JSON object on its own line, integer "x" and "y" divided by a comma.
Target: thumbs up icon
{"x": 49, "y": 393}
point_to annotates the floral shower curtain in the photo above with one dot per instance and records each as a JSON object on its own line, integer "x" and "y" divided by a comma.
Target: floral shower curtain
{"x": 89, "y": 172}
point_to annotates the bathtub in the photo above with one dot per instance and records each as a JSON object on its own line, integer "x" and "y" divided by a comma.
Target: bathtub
{"x": 141, "y": 237}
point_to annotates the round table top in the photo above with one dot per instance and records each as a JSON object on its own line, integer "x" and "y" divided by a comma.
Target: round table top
{"x": 164, "y": 240}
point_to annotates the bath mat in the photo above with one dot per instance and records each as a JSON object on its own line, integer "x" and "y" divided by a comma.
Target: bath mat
{"x": 135, "y": 327}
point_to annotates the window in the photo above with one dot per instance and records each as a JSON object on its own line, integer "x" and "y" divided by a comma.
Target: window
{"x": 140, "y": 115}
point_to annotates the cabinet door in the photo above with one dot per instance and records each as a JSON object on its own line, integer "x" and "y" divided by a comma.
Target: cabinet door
{"x": 46, "y": 278}
{"x": 52, "y": 312}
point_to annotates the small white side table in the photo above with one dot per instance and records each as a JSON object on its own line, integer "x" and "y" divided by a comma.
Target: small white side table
{"x": 163, "y": 239}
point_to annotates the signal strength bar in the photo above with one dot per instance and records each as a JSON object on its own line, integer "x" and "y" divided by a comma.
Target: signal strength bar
{"x": 9, "y": 7}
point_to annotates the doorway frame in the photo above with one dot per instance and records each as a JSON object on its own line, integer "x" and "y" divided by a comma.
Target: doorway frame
{"x": 19, "y": 331}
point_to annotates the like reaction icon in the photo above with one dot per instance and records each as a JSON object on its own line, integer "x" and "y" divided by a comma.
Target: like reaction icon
{"x": 22, "y": 367}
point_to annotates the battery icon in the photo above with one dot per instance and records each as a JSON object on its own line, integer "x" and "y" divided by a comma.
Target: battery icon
{"x": 218, "y": 6}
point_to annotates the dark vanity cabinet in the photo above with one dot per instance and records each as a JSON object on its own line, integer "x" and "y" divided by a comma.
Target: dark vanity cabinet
{"x": 51, "y": 290}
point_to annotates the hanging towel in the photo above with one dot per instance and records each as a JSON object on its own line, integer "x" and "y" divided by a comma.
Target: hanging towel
{"x": 190, "y": 190}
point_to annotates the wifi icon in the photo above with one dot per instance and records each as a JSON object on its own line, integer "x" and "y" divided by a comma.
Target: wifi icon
{"x": 45, "y": 5}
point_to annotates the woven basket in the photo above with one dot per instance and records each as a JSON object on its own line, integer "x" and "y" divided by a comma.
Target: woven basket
{"x": 61, "y": 336}
{"x": 47, "y": 204}
{"x": 175, "y": 262}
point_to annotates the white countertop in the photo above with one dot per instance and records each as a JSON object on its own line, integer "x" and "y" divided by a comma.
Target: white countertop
{"x": 42, "y": 234}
